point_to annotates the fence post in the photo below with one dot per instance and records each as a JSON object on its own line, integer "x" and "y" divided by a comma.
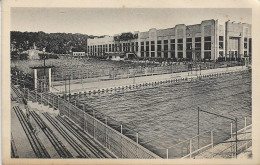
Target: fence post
{"x": 137, "y": 145}
{"x": 245, "y": 132}
{"x": 28, "y": 94}
{"x": 48, "y": 102}
{"x": 94, "y": 130}
{"x": 53, "y": 103}
{"x": 36, "y": 96}
{"x": 58, "y": 102}
{"x": 231, "y": 131}
{"x": 167, "y": 153}
{"x": 212, "y": 142}
{"x": 121, "y": 143}
{"x": 106, "y": 133}
{"x": 190, "y": 148}
{"x": 68, "y": 109}
{"x": 41, "y": 98}
{"x": 84, "y": 122}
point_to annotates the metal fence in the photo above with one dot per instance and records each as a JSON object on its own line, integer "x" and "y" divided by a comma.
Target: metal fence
{"x": 136, "y": 71}
{"x": 121, "y": 145}
{"x": 205, "y": 146}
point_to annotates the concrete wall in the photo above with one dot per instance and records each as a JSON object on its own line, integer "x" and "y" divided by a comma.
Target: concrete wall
{"x": 241, "y": 31}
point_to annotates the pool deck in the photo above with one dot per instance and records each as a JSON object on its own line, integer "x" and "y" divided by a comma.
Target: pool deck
{"x": 99, "y": 85}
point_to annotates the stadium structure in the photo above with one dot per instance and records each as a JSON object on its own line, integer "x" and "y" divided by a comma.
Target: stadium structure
{"x": 207, "y": 40}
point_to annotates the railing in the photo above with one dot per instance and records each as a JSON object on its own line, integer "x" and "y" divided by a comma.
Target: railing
{"x": 203, "y": 145}
{"x": 117, "y": 142}
{"x": 191, "y": 147}
{"x": 126, "y": 72}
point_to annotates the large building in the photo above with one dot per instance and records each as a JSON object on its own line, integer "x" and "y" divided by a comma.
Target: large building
{"x": 208, "y": 40}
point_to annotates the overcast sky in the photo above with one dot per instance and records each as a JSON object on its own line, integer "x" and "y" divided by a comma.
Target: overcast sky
{"x": 110, "y": 21}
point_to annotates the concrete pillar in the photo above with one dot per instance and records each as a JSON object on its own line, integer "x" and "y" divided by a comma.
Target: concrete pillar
{"x": 35, "y": 78}
{"x": 216, "y": 39}
{"x": 139, "y": 45}
{"x": 227, "y": 39}
{"x": 50, "y": 79}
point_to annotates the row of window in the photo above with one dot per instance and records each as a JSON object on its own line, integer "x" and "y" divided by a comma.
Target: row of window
{"x": 207, "y": 54}
{"x": 145, "y": 45}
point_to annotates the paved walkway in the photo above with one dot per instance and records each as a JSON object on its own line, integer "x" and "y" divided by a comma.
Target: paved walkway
{"x": 85, "y": 87}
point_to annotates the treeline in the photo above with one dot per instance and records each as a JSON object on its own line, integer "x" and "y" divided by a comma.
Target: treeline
{"x": 59, "y": 43}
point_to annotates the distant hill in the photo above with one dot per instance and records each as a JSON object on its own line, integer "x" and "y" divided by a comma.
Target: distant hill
{"x": 58, "y": 43}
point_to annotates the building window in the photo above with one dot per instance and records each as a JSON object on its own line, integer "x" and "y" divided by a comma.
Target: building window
{"x": 136, "y": 46}
{"x": 173, "y": 47}
{"x": 197, "y": 46}
{"x": 221, "y": 45}
{"x": 207, "y": 43}
{"x": 109, "y": 47}
{"x": 221, "y": 53}
{"x": 113, "y": 47}
{"x": 132, "y": 46}
{"x": 180, "y": 46}
{"x": 165, "y": 45}
{"x": 120, "y": 47}
{"x": 128, "y": 47}
{"x": 142, "y": 54}
{"x": 221, "y": 38}
{"x": 180, "y": 40}
{"x": 159, "y": 54}
{"x": 207, "y": 39}
{"x": 245, "y": 53}
{"x": 152, "y": 46}
{"x": 104, "y": 48}
{"x": 207, "y": 55}
{"x": 245, "y": 45}
{"x": 245, "y": 39}
{"x": 159, "y": 47}
{"x": 189, "y": 55}
{"x": 147, "y": 47}
{"x": 172, "y": 41}
{"x": 221, "y": 42}
{"x": 189, "y": 40}
{"x": 198, "y": 39}
{"x": 142, "y": 46}
{"x": 165, "y": 54}
{"x": 172, "y": 54}
{"x": 180, "y": 54}
{"x": 189, "y": 46}
{"x": 147, "y": 54}
{"x": 152, "y": 54}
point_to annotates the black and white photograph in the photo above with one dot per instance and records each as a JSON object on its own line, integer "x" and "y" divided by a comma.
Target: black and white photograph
{"x": 130, "y": 83}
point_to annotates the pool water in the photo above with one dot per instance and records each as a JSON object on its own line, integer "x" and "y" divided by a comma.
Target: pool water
{"x": 168, "y": 114}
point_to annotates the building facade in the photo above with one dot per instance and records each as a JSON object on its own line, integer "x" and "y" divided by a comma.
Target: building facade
{"x": 208, "y": 40}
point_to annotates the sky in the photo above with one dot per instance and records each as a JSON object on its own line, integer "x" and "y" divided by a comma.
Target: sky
{"x": 110, "y": 21}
